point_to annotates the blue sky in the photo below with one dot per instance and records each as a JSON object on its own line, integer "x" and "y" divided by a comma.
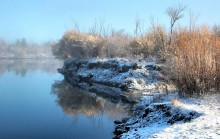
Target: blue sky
{"x": 42, "y": 20}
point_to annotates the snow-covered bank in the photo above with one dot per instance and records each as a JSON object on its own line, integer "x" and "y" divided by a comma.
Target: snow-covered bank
{"x": 155, "y": 114}
{"x": 122, "y": 79}
{"x": 185, "y": 118}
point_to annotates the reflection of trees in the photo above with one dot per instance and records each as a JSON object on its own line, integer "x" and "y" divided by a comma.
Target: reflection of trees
{"x": 22, "y": 66}
{"x": 75, "y": 101}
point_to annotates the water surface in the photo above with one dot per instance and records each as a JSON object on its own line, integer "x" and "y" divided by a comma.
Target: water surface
{"x": 36, "y": 103}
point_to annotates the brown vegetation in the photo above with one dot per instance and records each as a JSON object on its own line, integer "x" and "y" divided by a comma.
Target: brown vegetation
{"x": 191, "y": 54}
{"x": 77, "y": 44}
{"x": 196, "y": 60}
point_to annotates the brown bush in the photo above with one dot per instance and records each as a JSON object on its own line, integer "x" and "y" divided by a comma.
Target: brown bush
{"x": 77, "y": 44}
{"x": 116, "y": 45}
{"x": 196, "y": 60}
{"x": 85, "y": 45}
{"x": 141, "y": 46}
{"x": 151, "y": 43}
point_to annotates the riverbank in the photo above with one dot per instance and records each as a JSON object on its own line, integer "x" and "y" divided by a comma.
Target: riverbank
{"x": 173, "y": 117}
{"x": 158, "y": 111}
{"x": 119, "y": 79}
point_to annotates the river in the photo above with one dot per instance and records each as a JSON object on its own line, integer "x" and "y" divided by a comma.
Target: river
{"x": 37, "y": 103}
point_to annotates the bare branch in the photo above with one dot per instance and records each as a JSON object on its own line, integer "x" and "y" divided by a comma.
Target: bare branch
{"x": 175, "y": 13}
{"x": 139, "y": 27}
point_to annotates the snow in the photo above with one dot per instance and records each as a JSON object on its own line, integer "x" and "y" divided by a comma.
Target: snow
{"x": 170, "y": 116}
{"x": 134, "y": 76}
{"x": 205, "y": 125}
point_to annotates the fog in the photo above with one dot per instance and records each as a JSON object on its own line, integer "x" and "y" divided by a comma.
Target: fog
{"x": 21, "y": 48}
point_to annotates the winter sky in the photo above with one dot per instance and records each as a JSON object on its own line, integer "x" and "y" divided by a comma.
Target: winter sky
{"x": 42, "y": 20}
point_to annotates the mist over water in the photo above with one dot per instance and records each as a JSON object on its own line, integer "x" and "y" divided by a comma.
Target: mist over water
{"x": 23, "y": 66}
{"x": 21, "y": 48}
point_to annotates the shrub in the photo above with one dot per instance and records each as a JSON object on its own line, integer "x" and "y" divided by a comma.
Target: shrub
{"x": 116, "y": 45}
{"x": 77, "y": 44}
{"x": 196, "y": 60}
{"x": 151, "y": 43}
{"x": 141, "y": 46}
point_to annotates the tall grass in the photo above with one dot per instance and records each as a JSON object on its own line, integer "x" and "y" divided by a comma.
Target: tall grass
{"x": 195, "y": 64}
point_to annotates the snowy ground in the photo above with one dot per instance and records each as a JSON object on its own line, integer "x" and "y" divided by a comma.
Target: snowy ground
{"x": 205, "y": 124}
{"x": 162, "y": 118}
{"x": 121, "y": 78}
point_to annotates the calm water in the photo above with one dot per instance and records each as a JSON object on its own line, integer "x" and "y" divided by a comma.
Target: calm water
{"x": 36, "y": 103}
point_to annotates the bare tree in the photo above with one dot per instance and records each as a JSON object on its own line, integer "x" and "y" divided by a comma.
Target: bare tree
{"x": 99, "y": 28}
{"x": 75, "y": 25}
{"x": 174, "y": 13}
{"x": 192, "y": 25}
{"x": 139, "y": 27}
{"x": 193, "y": 18}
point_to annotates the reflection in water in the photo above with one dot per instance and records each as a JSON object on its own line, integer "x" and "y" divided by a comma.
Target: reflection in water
{"x": 28, "y": 110}
{"x": 75, "y": 101}
{"x": 22, "y": 66}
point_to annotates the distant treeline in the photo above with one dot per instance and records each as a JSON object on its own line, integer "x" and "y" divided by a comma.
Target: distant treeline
{"x": 21, "y": 48}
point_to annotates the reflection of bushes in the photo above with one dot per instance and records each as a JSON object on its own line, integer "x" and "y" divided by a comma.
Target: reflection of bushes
{"x": 74, "y": 101}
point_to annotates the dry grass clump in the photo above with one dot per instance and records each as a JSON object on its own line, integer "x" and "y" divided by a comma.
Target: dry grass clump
{"x": 77, "y": 44}
{"x": 85, "y": 45}
{"x": 195, "y": 65}
{"x": 152, "y": 42}
{"x": 116, "y": 45}
{"x": 141, "y": 46}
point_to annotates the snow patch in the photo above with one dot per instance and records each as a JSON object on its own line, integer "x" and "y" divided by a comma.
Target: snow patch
{"x": 192, "y": 118}
{"x": 130, "y": 76}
